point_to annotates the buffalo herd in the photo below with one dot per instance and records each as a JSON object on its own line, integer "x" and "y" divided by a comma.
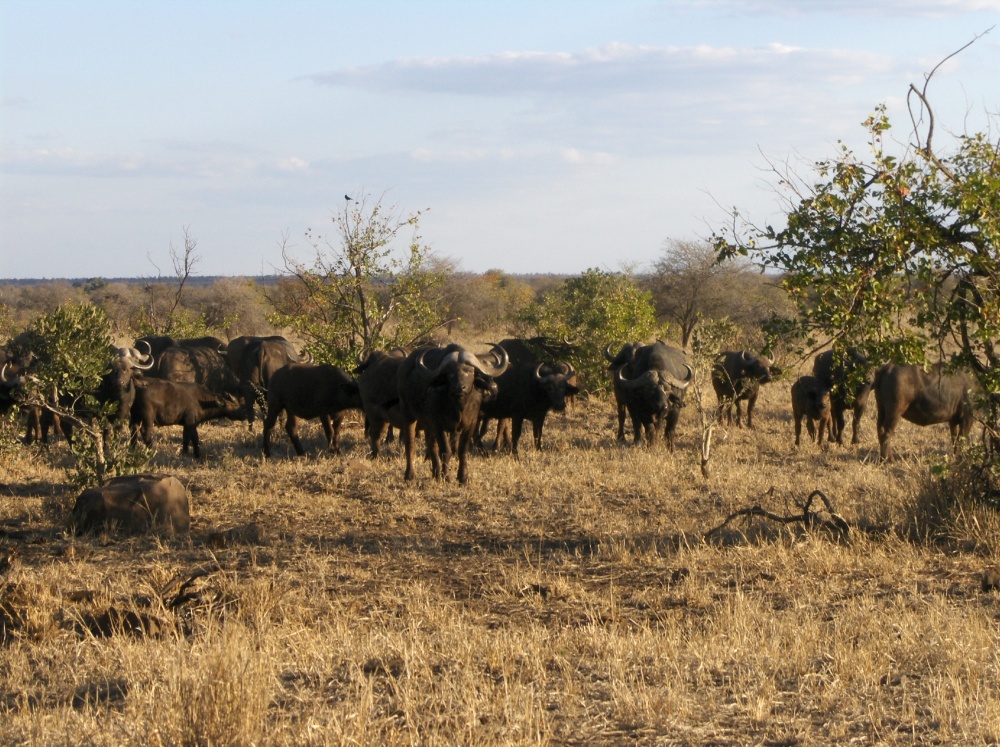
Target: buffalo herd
{"x": 452, "y": 395}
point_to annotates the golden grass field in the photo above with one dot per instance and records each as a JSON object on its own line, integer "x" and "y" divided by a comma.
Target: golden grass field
{"x": 564, "y": 598}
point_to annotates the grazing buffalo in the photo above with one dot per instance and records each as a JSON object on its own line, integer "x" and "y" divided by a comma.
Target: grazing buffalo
{"x": 196, "y": 365}
{"x": 649, "y": 383}
{"x": 441, "y": 389}
{"x": 737, "y": 376}
{"x": 527, "y": 391}
{"x": 309, "y": 390}
{"x": 159, "y": 403}
{"x": 378, "y": 384}
{"x": 922, "y": 397}
{"x": 848, "y": 377}
{"x": 811, "y": 400}
{"x": 254, "y": 361}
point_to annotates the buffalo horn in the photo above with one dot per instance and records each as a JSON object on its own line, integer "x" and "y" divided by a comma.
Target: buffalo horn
{"x": 607, "y": 353}
{"x": 538, "y": 373}
{"x": 305, "y": 356}
{"x": 3, "y": 375}
{"x": 446, "y": 361}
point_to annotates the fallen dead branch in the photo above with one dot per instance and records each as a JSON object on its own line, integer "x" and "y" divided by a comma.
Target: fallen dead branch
{"x": 811, "y": 519}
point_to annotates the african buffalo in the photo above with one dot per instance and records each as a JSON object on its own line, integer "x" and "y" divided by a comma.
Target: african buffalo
{"x": 850, "y": 383}
{"x": 309, "y": 390}
{"x": 134, "y": 503}
{"x": 159, "y": 402}
{"x": 527, "y": 391}
{"x": 378, "y": 384}
{"x": 196, "y": 365}
{"x": 922, "y": 397}
{"x": 737, "y": 376}
{"x": 442, "y": 390}
{"x": 649, "y": 382}
{"x": 254, "y": 360}
{"x": 159, "y": 343}
{"x": 811, "y": 400}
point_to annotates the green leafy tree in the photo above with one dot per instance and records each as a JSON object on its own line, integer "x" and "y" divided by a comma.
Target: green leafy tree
{"x": 73, "y": 350}
{"x": 593, "y": 310}
{"x": 361, "y": 291}
{"x": 894, "y": 252}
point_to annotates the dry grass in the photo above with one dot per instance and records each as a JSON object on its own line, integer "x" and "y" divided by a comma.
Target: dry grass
{"x": 566, "y": 598}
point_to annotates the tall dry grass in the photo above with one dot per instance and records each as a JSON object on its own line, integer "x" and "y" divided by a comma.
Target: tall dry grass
{"x": 563, "y": 598}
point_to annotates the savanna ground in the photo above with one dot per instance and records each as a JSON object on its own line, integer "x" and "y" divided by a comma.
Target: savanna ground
{"x": 564, "y": 598}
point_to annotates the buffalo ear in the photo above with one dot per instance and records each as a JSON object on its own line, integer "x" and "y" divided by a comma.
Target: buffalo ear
{"x": 571, "y": 390}
{"x": 776, "y": 371}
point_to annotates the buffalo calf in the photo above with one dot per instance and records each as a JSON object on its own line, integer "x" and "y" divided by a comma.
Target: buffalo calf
{"x": 309, "y": 390}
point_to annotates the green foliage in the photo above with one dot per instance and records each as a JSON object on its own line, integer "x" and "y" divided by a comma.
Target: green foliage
{"x": 74, "y": 350}
{"x": 895, "y": 254}
{"x": 360, "y": 293}
{"x": 591, "y": 311}
{"x": 72, "y": 346}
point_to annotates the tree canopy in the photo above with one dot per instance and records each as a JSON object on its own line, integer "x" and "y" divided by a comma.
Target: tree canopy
{"x": 895, "y": 251}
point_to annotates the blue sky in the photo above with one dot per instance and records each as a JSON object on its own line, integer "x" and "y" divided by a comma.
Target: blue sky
{"x": 542, "y": 136}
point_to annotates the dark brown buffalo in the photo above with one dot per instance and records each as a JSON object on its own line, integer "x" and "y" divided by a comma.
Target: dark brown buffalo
{"x": 309, "y": 390}
{"x": 621, "y": 362}
{"x": 737, "y": 376}
{"x": 378, "y": 384}
{"x": 196, "y": 365}
{"x": 13, "y": 374}
{"x": 649, "y": 383}
{"x": 159, "y": 403}
{"x": 442, "y": 390}
{"x": 527, "y": 391}
{"x": 254, "y": 361}
{"x": 922, "y": 397}
{"x": 848, "y": 377}
{"x": 159, "y": 343}
{"x": 811, "y": 400}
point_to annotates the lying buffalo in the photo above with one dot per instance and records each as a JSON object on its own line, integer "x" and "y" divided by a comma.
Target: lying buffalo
{"x": 134, "y": 503}
{"x": 650, "y": 381}
{"x": 922, "y": 397}
{"x": 848, "y": 377}
{"x": 811, "y": 400}
{"x": 442, "y": 389}
{"x": 309, "y": 390}
{"x": 160, "y": 403}
{"x": 527, "y": 391}
{"x": 737, "y": 376}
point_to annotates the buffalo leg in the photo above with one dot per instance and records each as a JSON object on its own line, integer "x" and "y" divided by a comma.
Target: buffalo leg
{"x": 621, "y": 422}
{"x": 751, "y": 404}
{"x": 291, "y": 428}
{"x": 536, "y": 431}
{"x": 190, "y": 436}
{"x": 673, "y": 415}
{"x": 375, "y": 430}
{"x": 331, "y": 428}
{"x": 798, "y": 427}
{"x": 409, "y": 434}
{"x": 462, "y": 447}
{"x": 269, "y": 421}
{"x": 516, "y": 426}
